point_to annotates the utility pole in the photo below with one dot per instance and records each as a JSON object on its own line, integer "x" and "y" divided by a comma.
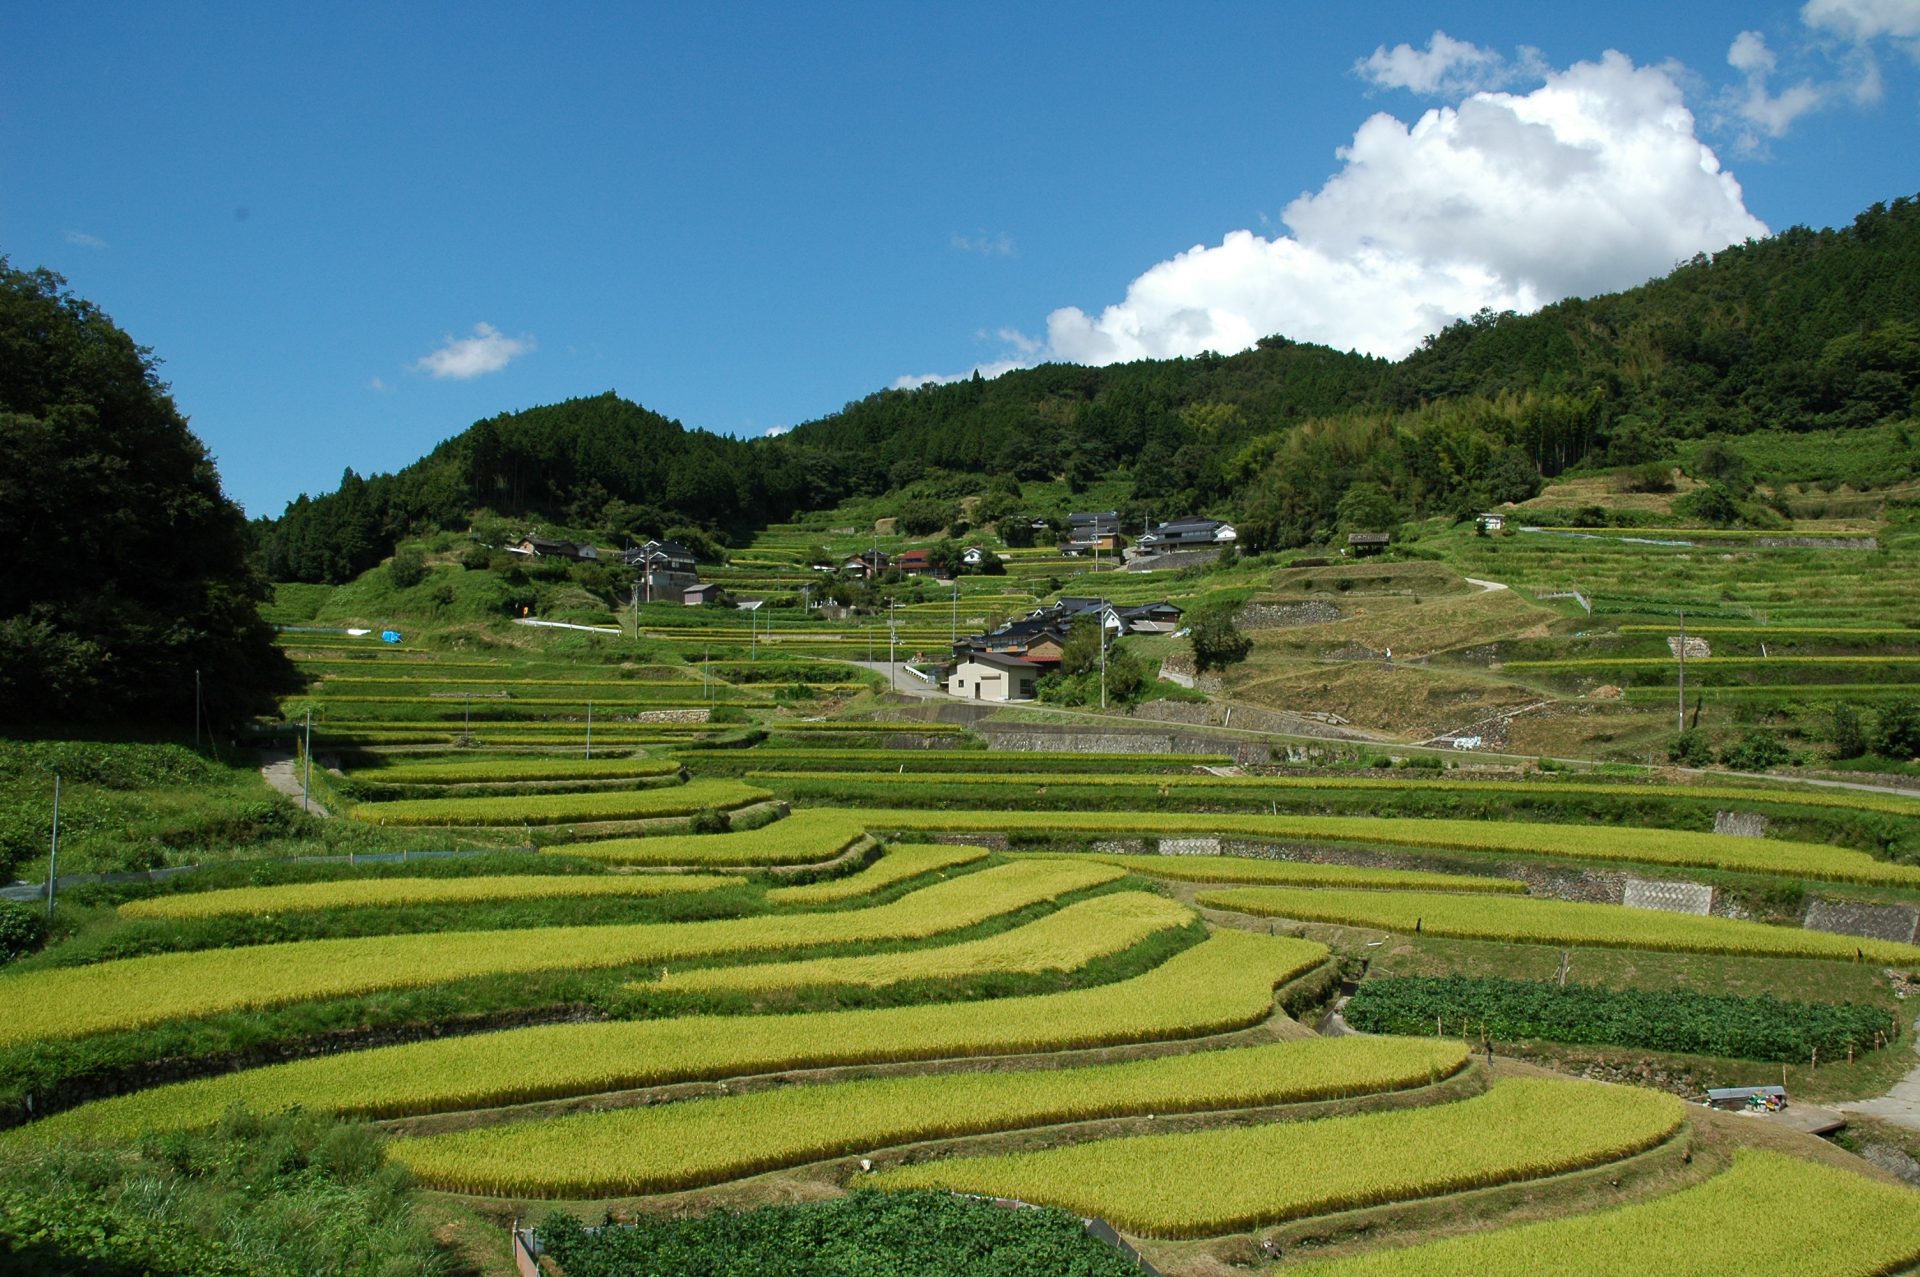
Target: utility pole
{"x": 53, "y": 853}
{"x": 466, "y": 720}
{"x": 196, "y": 709}
{"x": 893, "y": 639}
{"x": 955, "y": 636}
{"x": 1683, "y": 671}
{"x": 589, "y": 729}
{"x": 306, "y": 781}
{"x": 1101, "y": 621}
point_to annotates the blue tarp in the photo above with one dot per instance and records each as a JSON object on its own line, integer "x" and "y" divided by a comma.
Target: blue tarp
{"x": 389, "y": 636}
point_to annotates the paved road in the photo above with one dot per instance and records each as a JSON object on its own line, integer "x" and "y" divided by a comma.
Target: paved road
{"x": 906, "y": 684}
{"x": 282, "y": 773}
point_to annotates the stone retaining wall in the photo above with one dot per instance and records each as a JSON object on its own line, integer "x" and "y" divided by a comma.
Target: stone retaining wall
{"x": 1740, "y": 824}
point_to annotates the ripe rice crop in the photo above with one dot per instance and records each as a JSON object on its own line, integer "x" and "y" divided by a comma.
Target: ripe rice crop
{"x": 1512, "y": 837}
{"x": 1527, "y": 920}
{"x": 804, "y": 838}
{"x": 928, "y": 760}
{"x": 1204, "y": 1183}
{"x": 998, "y": 774}
{"x": 555, "y": 809}
{"x": 1063, "y": 941}
{"x": 379, "y": 893}
{"x": 131, "y": 992}
{"x": 1303, "y": 873}
{"x": 661, "y": 1148}
{"x": 1222, "y": 984}
{"x": 1768, "y": 1214}
{"x": 897, "y": 864}
{"x": 508, "y": 770}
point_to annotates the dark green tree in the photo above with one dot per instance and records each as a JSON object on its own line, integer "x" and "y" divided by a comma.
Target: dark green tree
{"x": 1217, "y": 641}
{"x": 1849, "y": 733}
{"x": 130, "y": 568}
{"x": 1897, "y": 734}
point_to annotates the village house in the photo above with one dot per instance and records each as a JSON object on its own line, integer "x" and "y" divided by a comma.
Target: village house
{"x": 1088, "y": 533}
{"x": 1365, "y": 544}
{"x": 1188, "y": 534}
{"x": 548, "y": 548}
{"x": 915, "y": 563}
{"x": 662, "y": 570}
{"x": 868, "y": 564}
{"x": 993, "y": 676}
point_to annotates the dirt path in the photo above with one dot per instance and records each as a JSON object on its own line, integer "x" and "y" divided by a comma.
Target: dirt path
{"x": 1899, "y": 1106}
{"x": 282, "y": 774}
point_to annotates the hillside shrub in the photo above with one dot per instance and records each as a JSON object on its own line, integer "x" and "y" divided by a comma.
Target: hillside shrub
{"x": 1690, "y": 749}
{"x": 22, "y": 928}
{"x": 1755, "y": 752}
{"x": 408, "y": 567}
{"x": 1897, "y": 735}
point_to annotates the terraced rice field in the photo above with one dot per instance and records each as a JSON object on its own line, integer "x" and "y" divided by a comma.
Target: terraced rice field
{"x": 1776, "y": 856}
{"x": 1225, "y": 983}
{"x": 898, "y": 863}
{"x": 498, "y": 770}
{"x": 1522, "y": 1129}
{"x": 1065, "y": 941}
{"x": 131, "y": 992}
{"x": 1296, "y": 873}
{"x": 1767, "y": 1214}
{"x": 658, "y": 1149}
{"x": 1527, "y": 920}
{"x": 383, "y": 893}
{"x": 804, "y": 838}
{"x": 559, "y": 809}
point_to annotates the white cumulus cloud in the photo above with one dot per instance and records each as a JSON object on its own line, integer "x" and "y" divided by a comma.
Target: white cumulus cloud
{"x": 1864, "y": 20}
{"x": 1593, "y": 182}
{"x": 488, "y": 350}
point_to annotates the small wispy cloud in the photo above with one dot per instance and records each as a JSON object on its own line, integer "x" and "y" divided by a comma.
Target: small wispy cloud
{"x": 984, "y": 243}
{"x": 378, "y": 385}
{"x": 1762, "y": 112}
{"x": 85, "y": 240}
{"x": 488, "y": 350}
{"x": 774, "y": 432}
{"x": 1447, "y": 67}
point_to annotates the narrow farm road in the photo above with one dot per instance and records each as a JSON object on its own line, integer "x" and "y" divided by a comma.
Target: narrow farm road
{"x": 282, "y": 774}
{"x": 1899, "y": 1106}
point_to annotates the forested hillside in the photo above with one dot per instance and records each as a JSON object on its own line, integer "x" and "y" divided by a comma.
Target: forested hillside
{"x": 130, "y": 568}
{"x": 1807, "y": 330}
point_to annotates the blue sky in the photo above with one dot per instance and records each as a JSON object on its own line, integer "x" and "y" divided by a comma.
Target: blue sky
{"x": 351, "y": 231}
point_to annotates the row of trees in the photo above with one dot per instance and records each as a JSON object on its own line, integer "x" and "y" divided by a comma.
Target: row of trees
{"x": 1807, "y": 330}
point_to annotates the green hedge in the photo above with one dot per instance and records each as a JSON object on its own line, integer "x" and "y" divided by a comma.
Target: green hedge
{"x": 1679, "y": 1020}
{"x": 864, "y": 1235}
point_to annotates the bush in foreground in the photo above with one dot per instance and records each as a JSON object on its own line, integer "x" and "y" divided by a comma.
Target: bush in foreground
{"x": 868, "y": 1234}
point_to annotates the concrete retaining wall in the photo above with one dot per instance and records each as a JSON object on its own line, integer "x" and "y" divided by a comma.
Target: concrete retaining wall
{"x": 1668, "y": 897}
{"x": 1853, "y": 918}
